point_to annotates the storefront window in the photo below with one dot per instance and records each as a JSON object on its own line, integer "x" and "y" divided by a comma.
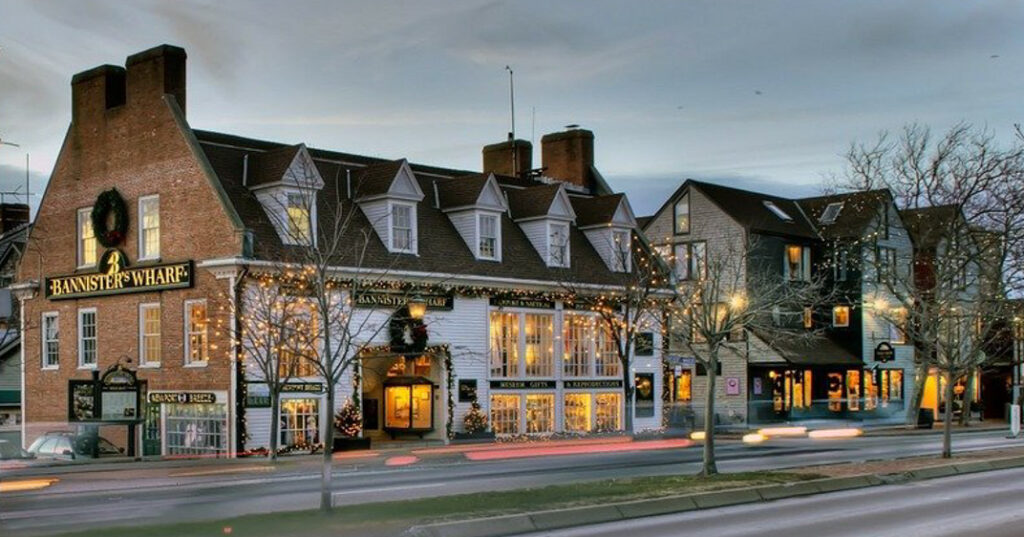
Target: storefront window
{"x": 835, "y": 392}
{"x": 399, "y": 407}
{"x": 577, "y": 333}
{"x": 609, "y": 412}
{"x": 196, "y": 429}
{"x": 890, "y": 384}
{"x": 539, "y": 345}
{"x": 504, "y": 344}
{"x": 540, "y": 413}
{"x": 684, "y": 386}
{"x": 299, "y": 422}
{"x": 577, "y": 412}
{"x": 870, "y": 392}
{"x": 408, "y": 406}
{"x": 853, "y": 389}
{"x": 421, "y": 406}
{"x": 505, "y": 414}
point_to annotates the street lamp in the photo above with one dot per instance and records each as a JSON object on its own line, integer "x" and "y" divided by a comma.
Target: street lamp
{"x": 417, "y": 307}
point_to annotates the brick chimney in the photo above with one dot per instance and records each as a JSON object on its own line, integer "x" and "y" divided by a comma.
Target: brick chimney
{"x": 95, "y": 91}
{"x": 155, "y": 72}
{"x": 12, "y": 215}
{"x": 568, "y": 156}
{"x": 513, "y": 158}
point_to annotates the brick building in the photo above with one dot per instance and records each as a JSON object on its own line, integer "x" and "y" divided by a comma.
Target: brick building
{"x": 126, "y": 300}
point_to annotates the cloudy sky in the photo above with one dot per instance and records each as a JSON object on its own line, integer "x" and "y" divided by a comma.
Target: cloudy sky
{"x": 760, "y": 94}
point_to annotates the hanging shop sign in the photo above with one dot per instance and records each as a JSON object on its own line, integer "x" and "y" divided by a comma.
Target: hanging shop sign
{"x": 885, "y": 352}
{"x": 290, "y": 387}
{"x": 183, "y": 398}
{"x": 393, "y": 300}
{"x": 512, "y": 302}
{"x": 591, "y": 384}
{"x": 522, "y": 384}
{"x": 732, "y": 386}
{"x": 467, "y": 390}
{"x": 120, "y": 280}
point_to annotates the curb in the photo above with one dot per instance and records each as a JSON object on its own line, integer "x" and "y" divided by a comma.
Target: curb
{"x": 582, "y": 516}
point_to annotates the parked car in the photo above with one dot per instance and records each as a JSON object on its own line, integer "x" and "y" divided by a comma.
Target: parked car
{"x": 10, "y": 451}
{"x": 71, "y": 446}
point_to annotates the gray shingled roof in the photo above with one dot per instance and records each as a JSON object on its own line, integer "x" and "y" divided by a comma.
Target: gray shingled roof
{"x": 532, "y": 202}
{"x": 597, "y": 210}
{"x": 859, "y": 210}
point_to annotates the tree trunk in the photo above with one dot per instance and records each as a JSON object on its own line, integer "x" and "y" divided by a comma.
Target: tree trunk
{"x": 325, "y": 476}
{"x": 709, "y": 467}
{"x": 965, "y": 416}
{"x": 275, "y": 423}
{"x": 914, "y": 404}
{"x": 947, "y": 418}
{"x": 627, "y": 393}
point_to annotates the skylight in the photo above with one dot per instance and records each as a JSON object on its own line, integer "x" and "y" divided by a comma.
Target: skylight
{"x": 777, "y": 211}
{"x": 831, "y": 213}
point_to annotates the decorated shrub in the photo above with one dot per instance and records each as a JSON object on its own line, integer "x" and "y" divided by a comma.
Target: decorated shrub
{"x": 475, "y": 420}
{"x": 349, "y": 420}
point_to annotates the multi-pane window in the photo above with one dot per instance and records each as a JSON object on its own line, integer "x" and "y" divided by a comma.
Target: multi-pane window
{"x": 149, "y": 334}
{"x": 797, "y": 266}
{"x": 299, "y": 220}
{"x": 841, "y": 316}
{"x": 621, "y": 248}
{"x": 505, "y": 414}
{"x": 196, "y": 325}
{"x": 301, "y": 328}
{"x": 299, "y": 422}
{"x": 890, "y": 386}
{"x": 149, "y": 227}
{"x": 540, "y": 413}
{"x": 682, "y": 215}
{"x": 86, "y": 239}
{"x": 401, "y": 228}
{"x": 51, "y": 340}
{"x": 539, "y": 335}
{"x": 589, "y": 347}
{"x": 608, "y": 412}
{"x": 87, "y": 337}
{"x": 504, "y": 344}
{"x": 692, "y": 261}
{"x": 558, "y": 245}
{"x": 853, "y": 389}
{"x": 488, "y": 236}
{"x": 577, "y": 412}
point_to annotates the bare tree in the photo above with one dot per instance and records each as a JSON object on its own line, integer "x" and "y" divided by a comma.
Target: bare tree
{"x": 273, "y": 315}
{"x": 735, "y": 291}
{"x": 634, "y": 306}
{"x": 959, "y": 198}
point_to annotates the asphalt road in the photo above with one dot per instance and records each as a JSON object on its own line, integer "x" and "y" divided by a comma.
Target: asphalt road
{"x": 144, "y": 495}
{"x": 988, "y": 504}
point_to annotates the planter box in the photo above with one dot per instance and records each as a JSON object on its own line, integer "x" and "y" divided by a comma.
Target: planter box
{"x": 347, "y": 443}
{"x": 482, "y": 436}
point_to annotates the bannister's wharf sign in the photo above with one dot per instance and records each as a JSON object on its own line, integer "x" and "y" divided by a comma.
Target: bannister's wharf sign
{"x": 385, "y": 299}
{"x": 124, "y": 280}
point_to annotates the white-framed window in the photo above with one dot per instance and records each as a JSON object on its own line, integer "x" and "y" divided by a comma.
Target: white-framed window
{"x": 589, "y": 347}
{"x": 898, "y": 326}
{"x": 841, "y": 316}
{"x": 403, "y": 227}
{"x": 622, "y": 248}
{"x": 526, "y": 337}
{"x": 797, "y": 263}
{"x": 85, "y": 238}
{"x": 300, "y": 422}
{"x": 577, "y": 410}
{"x": 682, "y": 215}
{"x": 504, "y": 344}
{"x": 490, "y": 243}
{"x": 886, "y": 263}
{"x": 505, "y": 414}
{"x": 558, "y": 244}
{"x": 51, "y": 340}
{"x": 87, "y": 338}
{"x": 540, "y": 413}
{"x": 149, "y": 227}
{"x": 608, "y": 412}
{"x": 300, "y": 226}
{"x": 149, "y": 335}
{"x": 197, "y": 343}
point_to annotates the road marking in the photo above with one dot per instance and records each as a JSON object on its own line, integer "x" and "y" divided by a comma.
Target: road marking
{"x": 243, "y": 469}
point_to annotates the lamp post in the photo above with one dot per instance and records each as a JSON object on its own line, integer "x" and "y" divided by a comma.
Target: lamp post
{"x": 417, "y": 307}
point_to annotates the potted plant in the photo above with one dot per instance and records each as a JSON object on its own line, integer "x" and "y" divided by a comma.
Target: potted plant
{"x": 475, "y": 424}
{"x": 348, "y": 423}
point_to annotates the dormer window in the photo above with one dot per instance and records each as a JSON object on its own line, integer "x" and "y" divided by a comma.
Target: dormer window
{"x": 777, "y": 211}
{"x": 831, "y": 213}
{"x": 622, "y": 249}
{"x": 488, "y": 246}
{"x": 402, "y": 227}
{"x": 558, "y": 245}
{"x": 299, "y": 220}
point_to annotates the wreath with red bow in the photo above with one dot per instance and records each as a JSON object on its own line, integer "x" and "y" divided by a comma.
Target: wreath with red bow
{"x": 110, "y": 207}
{"x": 408, "y": 335}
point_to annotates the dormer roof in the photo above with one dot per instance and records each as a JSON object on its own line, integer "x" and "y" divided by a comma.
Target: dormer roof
{"x": 542, "y": 201}
{"x": 289, "y": 165}
{"x": 608, "y": 210}
{"x": 480, "y": 191}
{"x": 391, "y": 179}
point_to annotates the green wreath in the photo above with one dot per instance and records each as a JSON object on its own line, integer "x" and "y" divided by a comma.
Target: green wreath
{"x": 107, "y": 202}
{"x": 407, "y": 335}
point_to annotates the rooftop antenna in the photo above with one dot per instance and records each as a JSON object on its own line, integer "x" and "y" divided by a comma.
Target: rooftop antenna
{"x": 512, "y": 111}
{"x": 28, "y": 190}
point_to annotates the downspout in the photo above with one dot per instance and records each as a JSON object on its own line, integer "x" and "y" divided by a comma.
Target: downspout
{"x": 21, "y": 350}
{"x": 232, "y": 393}
{"x": 245, "y": 169}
